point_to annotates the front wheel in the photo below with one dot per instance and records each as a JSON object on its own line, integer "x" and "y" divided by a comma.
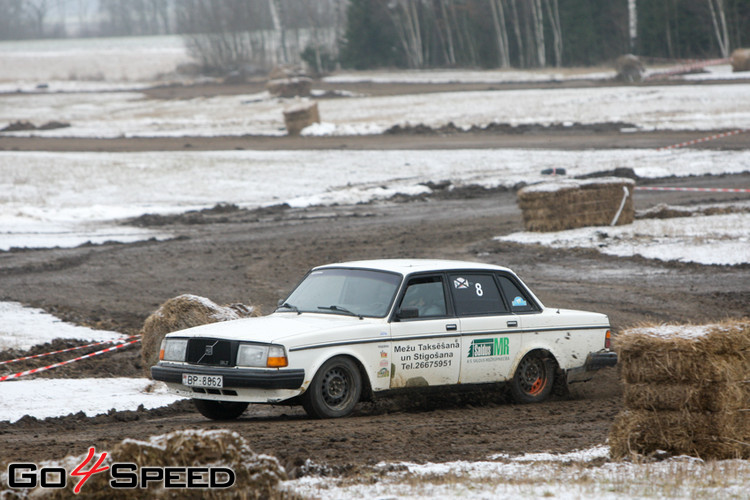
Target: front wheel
{"x": 219, "y": 410}
{"x": 334, "y": 390}
{"x": 533, "y": 380}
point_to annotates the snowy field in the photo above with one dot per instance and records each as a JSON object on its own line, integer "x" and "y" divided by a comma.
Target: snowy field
{"x": 131, "y": 114}
{"x": 67, "y": 199}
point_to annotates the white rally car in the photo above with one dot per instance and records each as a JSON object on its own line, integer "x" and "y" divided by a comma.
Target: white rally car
{"x": 354, "y": 330}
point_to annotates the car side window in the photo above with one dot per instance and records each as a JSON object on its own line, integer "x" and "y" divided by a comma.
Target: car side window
{"x": 476, "y": 294}
{"x": 518, "y": 300}
{"x": 427, "y": 295}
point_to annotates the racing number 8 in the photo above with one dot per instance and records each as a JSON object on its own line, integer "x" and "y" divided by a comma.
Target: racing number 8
{"x": 478, "y": 287}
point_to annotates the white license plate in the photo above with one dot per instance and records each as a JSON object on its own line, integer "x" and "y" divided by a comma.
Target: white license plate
{"x": 209, "y": 381}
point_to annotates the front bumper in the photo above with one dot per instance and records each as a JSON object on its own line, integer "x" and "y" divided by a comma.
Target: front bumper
{"x": 240, "y": 378}
{"x": 594, "y": 361}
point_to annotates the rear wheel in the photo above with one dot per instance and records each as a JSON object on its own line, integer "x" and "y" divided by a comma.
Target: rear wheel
{"x": 533, "y": 380}
{"x": 335, "y": 389}
{"x": 220, "y": 410}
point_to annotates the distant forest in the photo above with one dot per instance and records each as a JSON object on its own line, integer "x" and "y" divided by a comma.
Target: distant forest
{"x": 226, "y": 34}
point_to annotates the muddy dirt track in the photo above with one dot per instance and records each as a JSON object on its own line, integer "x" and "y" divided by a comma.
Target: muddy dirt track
{"x": 255, "y": 257}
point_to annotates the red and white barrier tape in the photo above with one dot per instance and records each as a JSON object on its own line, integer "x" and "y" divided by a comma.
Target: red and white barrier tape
{"x": 707, "y": 190}
{"x": 704, "y": 139}
{"x": 686, "y": 68}
{"x": 113, "y": 341}
{"x": 62, "y": 363}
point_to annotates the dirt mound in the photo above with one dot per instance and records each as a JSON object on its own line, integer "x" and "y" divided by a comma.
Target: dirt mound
{"x": 256, "y": 476}
{"x": 179, "y": 313}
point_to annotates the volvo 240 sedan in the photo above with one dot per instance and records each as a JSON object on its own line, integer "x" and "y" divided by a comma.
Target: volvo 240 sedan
{"x": 356, "y": 330}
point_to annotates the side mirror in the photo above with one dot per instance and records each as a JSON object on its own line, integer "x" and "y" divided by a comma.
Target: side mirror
{"x": 408, "y": 313}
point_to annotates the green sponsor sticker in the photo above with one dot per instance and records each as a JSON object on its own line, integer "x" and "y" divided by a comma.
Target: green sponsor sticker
{"x": 481, "y": 348}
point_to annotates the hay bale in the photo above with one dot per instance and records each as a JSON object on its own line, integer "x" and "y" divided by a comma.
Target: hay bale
{"x": 298, "y": 86}
{"x": 283, "y": 71}
{"x": 741, "y": 60}
{"x": 184, "y": 311}
{"x": 570, "y": 203}
{"x": 708, "y": 435}
{"x": 301, "y": 115}
{"x": 686, "y": 354}
{"x": 691, "y": 397}
{"x": 629, "y": 68}
{"x": 687, "y": 390}
{"x": 256, "y": 476}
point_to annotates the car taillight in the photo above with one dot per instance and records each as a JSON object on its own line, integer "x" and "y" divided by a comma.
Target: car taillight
{"x": 607, "y": 339}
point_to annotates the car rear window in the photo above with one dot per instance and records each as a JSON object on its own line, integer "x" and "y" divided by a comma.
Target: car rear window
{"x": 476, "y": 294}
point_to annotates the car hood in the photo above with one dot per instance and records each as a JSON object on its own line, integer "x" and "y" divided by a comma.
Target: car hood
{"x": 277, "y": 327}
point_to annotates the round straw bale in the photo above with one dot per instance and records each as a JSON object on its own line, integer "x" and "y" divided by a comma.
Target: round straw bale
{"x": 179, "y": 313}
{"x": 256, "y": 476}
{"x": 629, "y": 68}
{"x": 741, "y": 60}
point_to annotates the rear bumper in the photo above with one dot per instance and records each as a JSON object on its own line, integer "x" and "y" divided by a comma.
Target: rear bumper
{"x": 594, "y": 361}
{"x": 598, "y": 360}
{"x": 240, "y": 378}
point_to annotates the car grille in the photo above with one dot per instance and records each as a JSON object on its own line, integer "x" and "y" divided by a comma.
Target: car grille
{"x": 210, "y": 352}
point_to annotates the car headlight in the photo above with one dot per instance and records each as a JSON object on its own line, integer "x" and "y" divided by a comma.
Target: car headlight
{"x": 173, "y": 350}
{"x": 271, "y": 356}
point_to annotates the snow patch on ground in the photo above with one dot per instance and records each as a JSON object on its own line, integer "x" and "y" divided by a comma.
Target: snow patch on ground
{"x": 563, "y": 476}
{"x": 24, "y": 327}
{"x": 715, "y": 239}
{"x": 131, "y": 114}
{"x": 65, "y": 199}
{"x": 42, "y": 398}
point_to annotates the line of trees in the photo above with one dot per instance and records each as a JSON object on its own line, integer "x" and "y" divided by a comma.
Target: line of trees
{"x": 537, "y": 33}
{"x": 226, "y": 34}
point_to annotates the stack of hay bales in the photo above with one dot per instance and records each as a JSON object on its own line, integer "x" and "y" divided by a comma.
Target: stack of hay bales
{"x": 629, "y": 68}
{"x": 298, "y": 86}
{"x": 687, "y": 391}
{"x": 300, "y": 115}
{"x": 256, "y": 476}
{"x": 741, "y": 60}
{"x": 567, "y": 204}
{"x": 184, "y": 311}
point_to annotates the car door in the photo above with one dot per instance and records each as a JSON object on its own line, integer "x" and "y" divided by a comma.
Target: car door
{"x": 426, "y": 345}
{"x": 491, "y": 334}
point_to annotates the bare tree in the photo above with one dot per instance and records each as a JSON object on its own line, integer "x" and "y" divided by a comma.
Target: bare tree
{"x": 720, "y": 25}
{"x": 405, "y": 16}
{"x": 498, "y": 18}
{"x": 553, "y": 11}
{"x": 37, "y": 11}
{"x": 517, "y": 30}
{"x": 537, "y": 18}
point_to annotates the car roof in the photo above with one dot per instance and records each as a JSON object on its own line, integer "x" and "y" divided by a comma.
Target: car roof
{"x": 408, "y": 266}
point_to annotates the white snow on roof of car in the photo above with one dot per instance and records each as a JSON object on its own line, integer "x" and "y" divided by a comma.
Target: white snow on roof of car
{"x": 407, "y": 266}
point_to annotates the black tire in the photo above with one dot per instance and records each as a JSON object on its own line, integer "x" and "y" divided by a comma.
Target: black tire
{"x": 534, "y": 378}
{"x": 335, "y": 389}
{"x": 219, "y": 410}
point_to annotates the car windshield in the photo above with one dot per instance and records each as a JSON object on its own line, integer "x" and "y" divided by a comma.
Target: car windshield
{"x": 357, "y": 292}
